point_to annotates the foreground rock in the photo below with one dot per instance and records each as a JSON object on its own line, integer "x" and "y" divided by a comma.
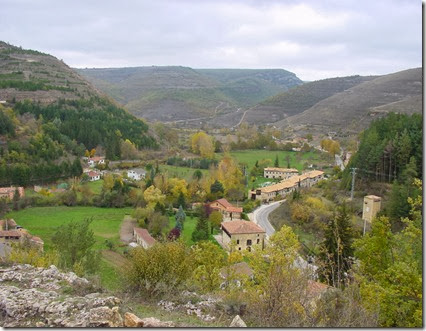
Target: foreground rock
{"x": 40, "y": 297}
{"x": 237, "y": 322}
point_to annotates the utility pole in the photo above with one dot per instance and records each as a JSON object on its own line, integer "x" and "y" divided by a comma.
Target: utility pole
{"x": 353, "y": 182}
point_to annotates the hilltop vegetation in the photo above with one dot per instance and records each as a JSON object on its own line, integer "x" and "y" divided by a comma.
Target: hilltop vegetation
{"x": 180, "y": 93}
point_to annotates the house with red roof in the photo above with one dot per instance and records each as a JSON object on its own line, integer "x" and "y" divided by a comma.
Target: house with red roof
{"x": 229, "y": 212}
{"x": 143, "y": 238}
{"x": 11, "y": 233}
{"x": 94, "y": 176}
{"x": 9, "y": 192}
{"x": 242, "y": 235}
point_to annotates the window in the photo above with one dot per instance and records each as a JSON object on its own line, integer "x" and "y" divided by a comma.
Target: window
{"x": 238, "y": 241}
{"x": 239, "y": 248}
{"x": 248, "y": 242}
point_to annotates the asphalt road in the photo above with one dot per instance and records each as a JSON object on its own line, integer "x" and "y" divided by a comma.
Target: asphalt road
{"x": 261, "y": 216}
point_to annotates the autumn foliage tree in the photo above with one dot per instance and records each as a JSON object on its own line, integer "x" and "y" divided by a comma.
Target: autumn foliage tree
{"x": 202, "y": 143}
{"x": 331, "y": 146}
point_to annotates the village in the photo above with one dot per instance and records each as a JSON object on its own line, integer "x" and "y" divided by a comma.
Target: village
{"x": 236, "y": 233}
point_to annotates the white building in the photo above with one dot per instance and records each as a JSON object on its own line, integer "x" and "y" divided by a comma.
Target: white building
{"x": 94, "y": 176}
{"x": 136, "y": 174}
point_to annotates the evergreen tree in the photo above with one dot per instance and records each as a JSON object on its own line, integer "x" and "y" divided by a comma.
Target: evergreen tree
{"x": 336, "y": 250}
{"x": 216, "y": 187}
{"x": 201, "y": 231}
{"x": 180, "y": 218}
{"x": 16, "y": 198}
{"x": 181, "y": 200}
{"x": 276, "y": 163}
{"x": 76, "y": 168}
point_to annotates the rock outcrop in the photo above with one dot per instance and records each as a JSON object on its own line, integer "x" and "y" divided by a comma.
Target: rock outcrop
{"x": 41, "y": 297}
{"x": 237, "y": 322}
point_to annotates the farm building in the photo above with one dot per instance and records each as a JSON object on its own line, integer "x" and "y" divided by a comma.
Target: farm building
{"x": 94, "y": 176}
{"x": 143, "y": 238}
{"x": 11, "y": 233}
{"x": 136, "y": 174}
{"x": 8, "y": 192}
{"x": 243, "y": 234}
{"x": 229, "y": 212}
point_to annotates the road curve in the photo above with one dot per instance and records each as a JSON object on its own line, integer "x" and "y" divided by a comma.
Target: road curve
{"x": 261, "y": 216}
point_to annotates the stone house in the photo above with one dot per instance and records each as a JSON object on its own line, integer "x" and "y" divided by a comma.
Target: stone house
{"x": 228, "y": 211}
{"x": 11, "y": 233}
{"x": 268, "y": 193}
{"x": 143, "y": 238}
{"x": 243, "y": 234}
{"x": 9, "y": 192}
{"x": 282, "y": 173}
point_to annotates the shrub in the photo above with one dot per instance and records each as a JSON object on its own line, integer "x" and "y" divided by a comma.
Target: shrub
{"x": 163, "y": 268}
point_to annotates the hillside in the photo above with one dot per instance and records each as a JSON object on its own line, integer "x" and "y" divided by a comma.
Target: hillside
{"x": 300, "y": 98}
{"x": 49, "y": 116}
{"x": 352, "y": 110}
{"x": 29, "y": 74}
{"x": 174, "y": 93}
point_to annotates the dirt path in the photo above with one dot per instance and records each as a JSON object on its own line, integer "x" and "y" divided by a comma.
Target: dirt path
{"x": 126, "y": 229}
{"x": 114, "y": 258}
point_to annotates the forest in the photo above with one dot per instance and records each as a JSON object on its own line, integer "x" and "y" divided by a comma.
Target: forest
{"x": 45, "y": 142}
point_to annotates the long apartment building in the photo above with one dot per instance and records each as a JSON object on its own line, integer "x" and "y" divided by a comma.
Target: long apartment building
{"x": 282, "y": 173}
{"x": 286, "y": 186}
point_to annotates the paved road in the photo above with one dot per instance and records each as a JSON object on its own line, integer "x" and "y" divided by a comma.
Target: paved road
{"x": 261, "y": 216}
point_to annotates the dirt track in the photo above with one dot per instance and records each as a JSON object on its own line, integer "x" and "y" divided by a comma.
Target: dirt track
{"x": 126, "y": 229}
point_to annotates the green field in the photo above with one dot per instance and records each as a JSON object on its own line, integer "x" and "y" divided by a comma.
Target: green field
{"x": 180, "y": 172}
{"x": 96, "y": 186}
{"x": 298, "y": 160}
{"x": 42, "y": 222}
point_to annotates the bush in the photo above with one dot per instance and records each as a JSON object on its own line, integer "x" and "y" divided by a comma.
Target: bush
{"x": 163, "y": 268}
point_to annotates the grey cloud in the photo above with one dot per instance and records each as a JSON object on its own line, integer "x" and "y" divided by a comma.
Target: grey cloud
{"x": 315, "y": 39}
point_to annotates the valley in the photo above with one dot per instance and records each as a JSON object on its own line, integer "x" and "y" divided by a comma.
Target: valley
{"x": 187, "y": 192}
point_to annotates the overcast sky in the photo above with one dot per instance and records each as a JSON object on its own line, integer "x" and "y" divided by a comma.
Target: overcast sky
{"x": 314, "y": 39}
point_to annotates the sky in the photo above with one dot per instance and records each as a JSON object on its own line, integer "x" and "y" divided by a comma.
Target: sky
{"x": 315, "y": 39}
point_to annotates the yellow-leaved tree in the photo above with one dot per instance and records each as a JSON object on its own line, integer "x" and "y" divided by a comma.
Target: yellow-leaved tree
{"x": 202, "y": 143}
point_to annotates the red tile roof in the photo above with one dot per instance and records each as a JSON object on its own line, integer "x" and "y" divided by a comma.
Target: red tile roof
{"x": 10, "y": 233}
{"x": 228, "y": 207}
{"x": 240, "y": 227}
{"x": 93, "y": 174}
{"x": 96, "y": 158}
{"x": 144, "y": 234}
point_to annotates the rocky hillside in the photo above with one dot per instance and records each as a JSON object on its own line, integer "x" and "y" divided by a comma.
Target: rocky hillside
{"x": 300, "y": 98}
{"x": 172, "y": 94}
{"x": 353, "y": 109}
{"x": 37, "y": 297}
{"x": 29, "y": 74}
{"x": 46, "y": 297}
